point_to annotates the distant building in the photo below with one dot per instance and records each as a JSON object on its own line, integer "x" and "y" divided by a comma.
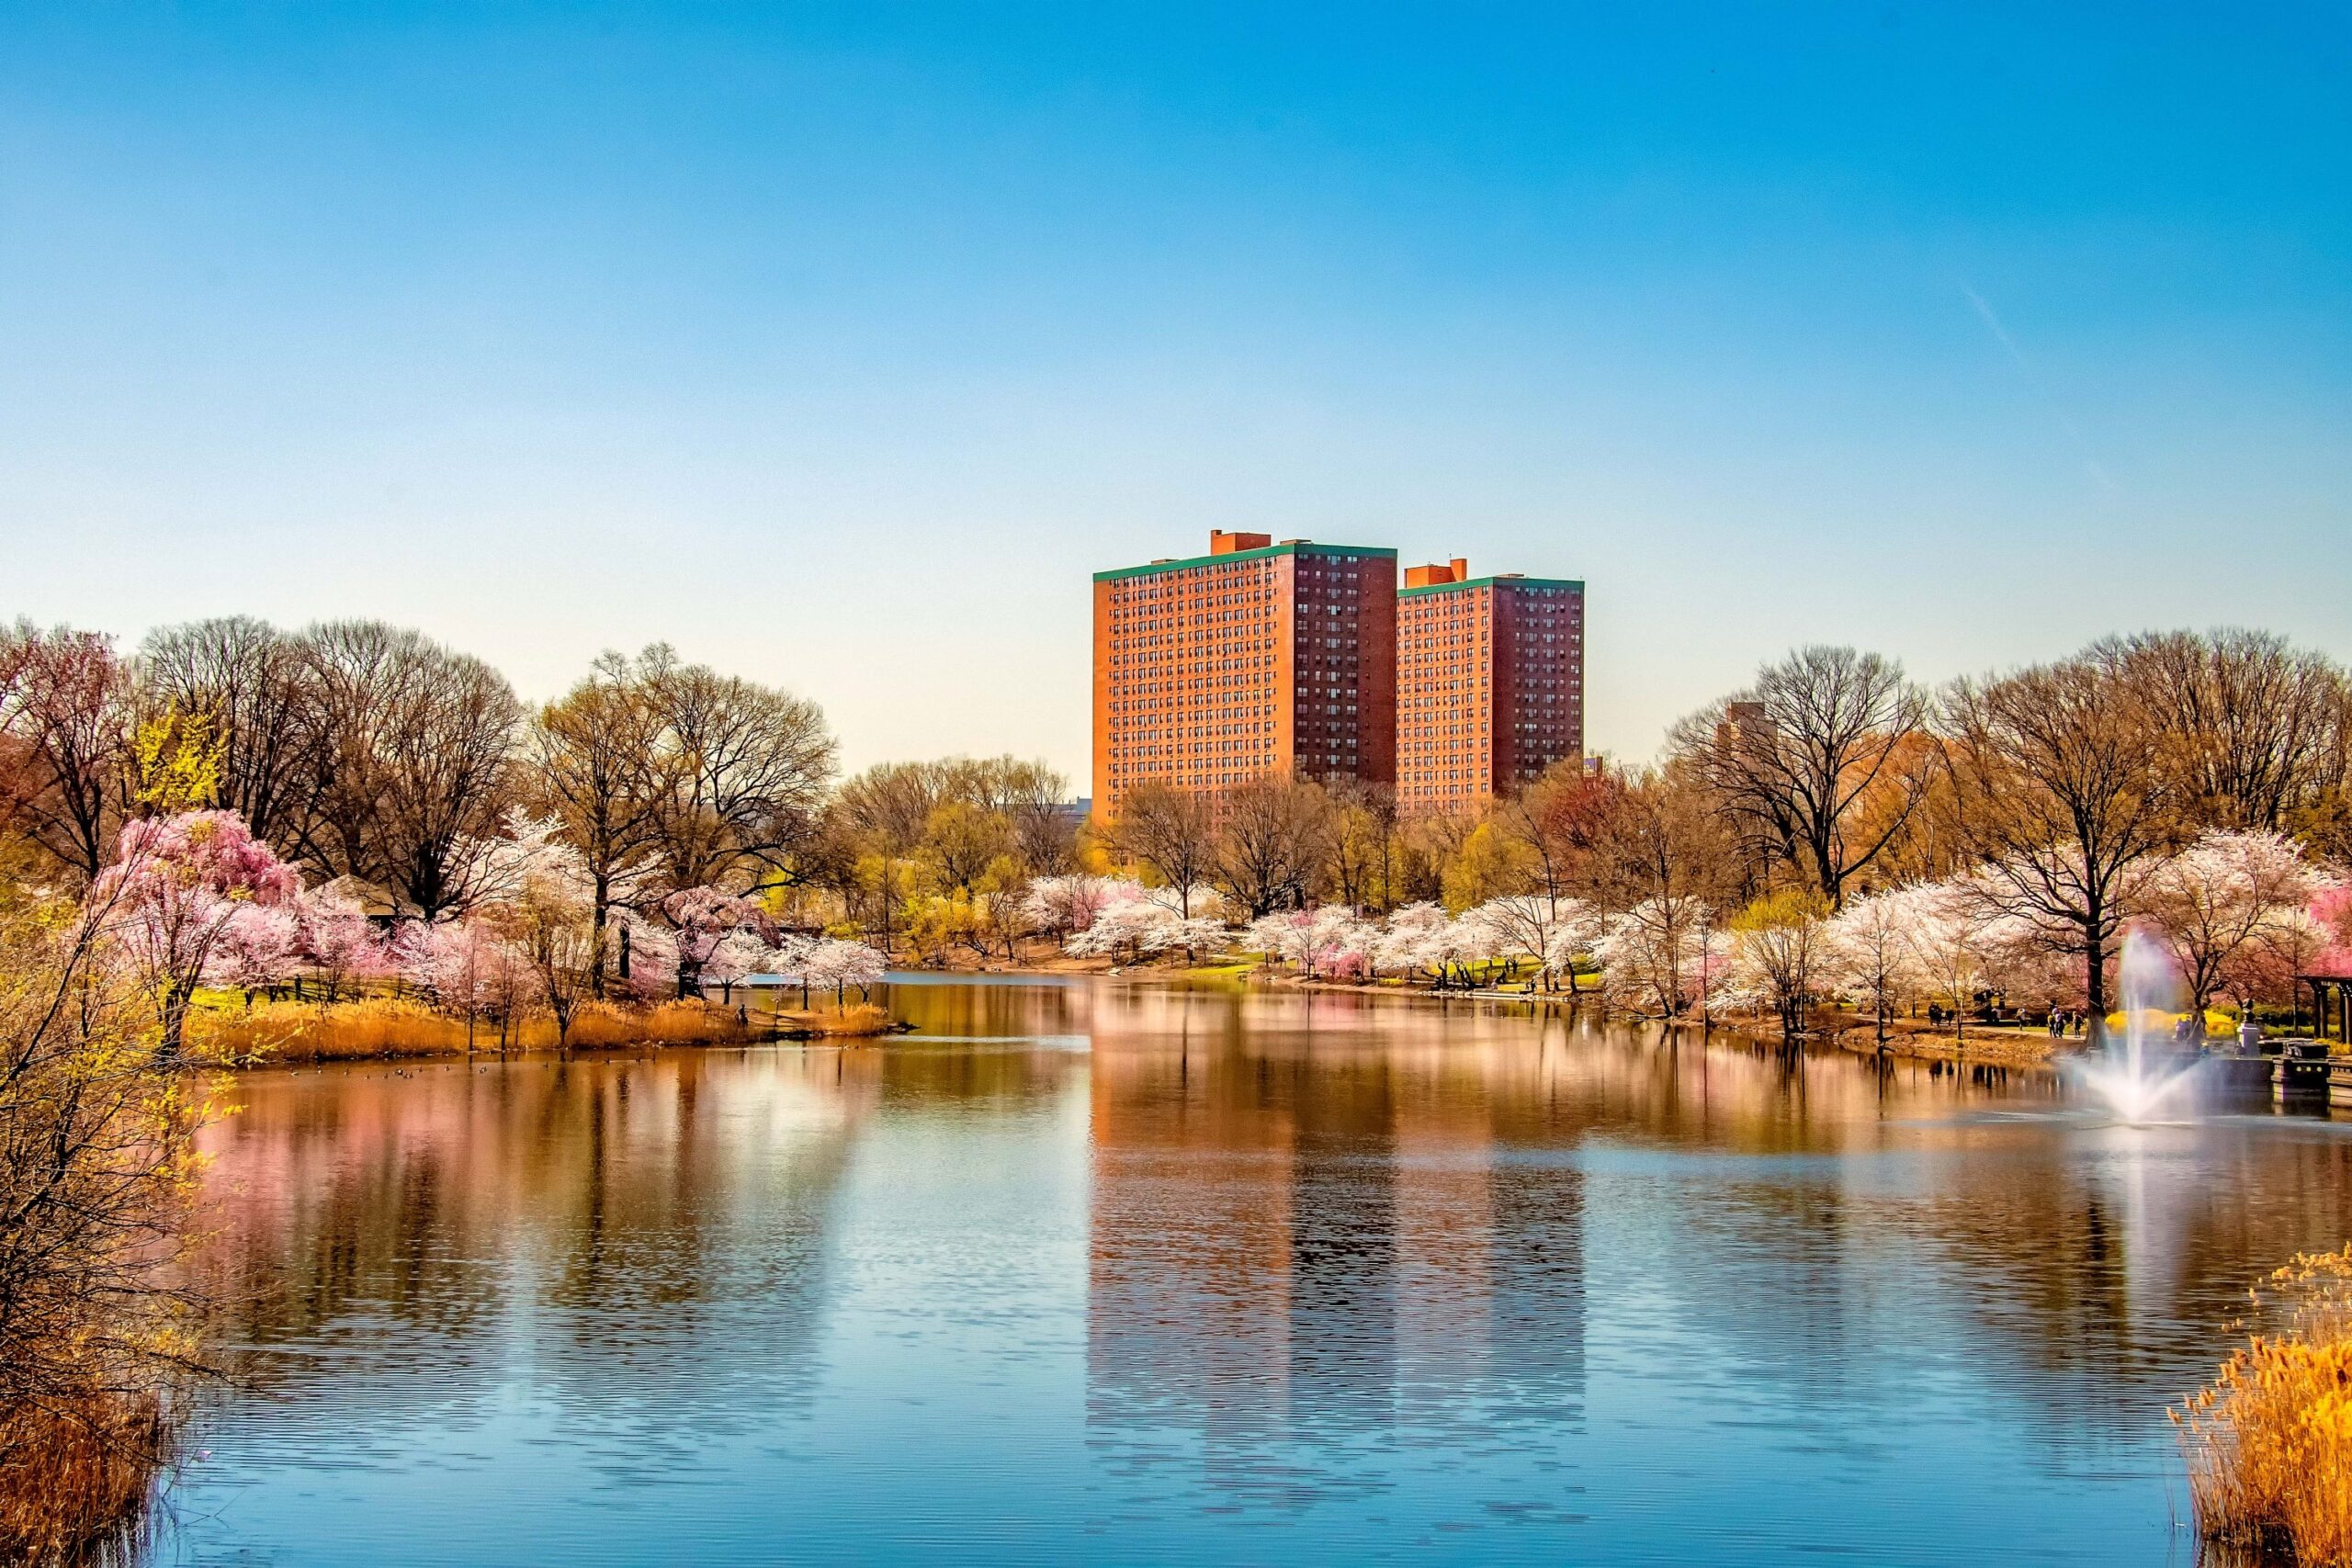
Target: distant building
{"x": 1489, "y": 683}
{"x": 1259, "y": 657}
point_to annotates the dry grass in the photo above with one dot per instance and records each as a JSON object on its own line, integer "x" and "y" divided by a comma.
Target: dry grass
{"x": 77, "y": 1484}
{"x": 376, "y": 1027}
{"x": 307, "y": 1031}
{"x": 2269, "y": 1444}
{"x": 857, "y": 1020}
{"x": 664, "y": 1023}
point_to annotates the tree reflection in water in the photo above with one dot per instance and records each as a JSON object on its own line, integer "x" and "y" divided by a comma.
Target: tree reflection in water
{"x": 1137, "y": 1267}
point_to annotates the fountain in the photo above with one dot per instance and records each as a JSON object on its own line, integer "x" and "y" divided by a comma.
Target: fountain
{"x": 2131, "y": 1080}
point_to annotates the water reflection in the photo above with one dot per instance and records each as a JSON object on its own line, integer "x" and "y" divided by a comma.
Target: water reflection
{"x": 1097, "y": 1271}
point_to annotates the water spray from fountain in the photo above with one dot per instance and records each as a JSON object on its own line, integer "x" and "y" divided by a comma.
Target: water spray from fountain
{"x": 2131, "y": 1080}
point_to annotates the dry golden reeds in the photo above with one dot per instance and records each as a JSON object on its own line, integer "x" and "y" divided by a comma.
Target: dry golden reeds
{"x": 77, "y": 1478}
{"x": 858, "y": 1019}
{"x": 309, "y": 1032}
{"x": 380, "y": 1027}
{"x": 2269, "y": 1443}
{"x": 664, "y": 1023}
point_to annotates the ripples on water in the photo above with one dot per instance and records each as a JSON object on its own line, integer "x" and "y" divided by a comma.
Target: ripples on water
{"x": 1102, "y": 1273}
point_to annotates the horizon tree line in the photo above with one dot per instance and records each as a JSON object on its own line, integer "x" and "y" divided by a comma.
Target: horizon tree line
{"x": 371, "y": 756}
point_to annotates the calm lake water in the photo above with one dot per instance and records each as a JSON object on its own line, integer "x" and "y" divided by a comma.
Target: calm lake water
{"x": 1107, "y": 1273}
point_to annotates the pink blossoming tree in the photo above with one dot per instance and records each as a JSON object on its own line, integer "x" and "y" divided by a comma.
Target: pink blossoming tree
{"x": 177, "y": 887}
{"x": 703, "y": 918}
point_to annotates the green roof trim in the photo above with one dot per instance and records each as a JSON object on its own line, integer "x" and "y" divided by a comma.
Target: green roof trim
{"x": 1303, "y": 548}
{"x": 1574, "y": 582}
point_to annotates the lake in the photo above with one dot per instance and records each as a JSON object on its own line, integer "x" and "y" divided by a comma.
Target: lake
{"x": 1107, "y": 1272}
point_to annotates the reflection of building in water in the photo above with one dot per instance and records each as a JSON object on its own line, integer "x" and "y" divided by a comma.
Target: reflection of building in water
{"x": 1344, "y": 1247}
{"x": 1312, "y": 1238}
{"x": 1191, "y": 1214}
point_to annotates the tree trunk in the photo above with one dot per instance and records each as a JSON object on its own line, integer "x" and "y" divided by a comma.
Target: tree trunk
{"x": 2096, "y": 932}
{"x": 603, "y": 912}
{"x": 175, "y": 1025}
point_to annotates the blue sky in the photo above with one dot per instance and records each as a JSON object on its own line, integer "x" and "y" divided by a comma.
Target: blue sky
{"x": 836, "y": 345}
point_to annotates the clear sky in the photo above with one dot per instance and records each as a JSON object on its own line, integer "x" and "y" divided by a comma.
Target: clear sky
{"x": 836, "y": 345}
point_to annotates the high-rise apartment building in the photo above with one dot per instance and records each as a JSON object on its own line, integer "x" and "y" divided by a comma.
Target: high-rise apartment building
{"x": 1489, "y": 683}
{"x": 1256, "y": 658}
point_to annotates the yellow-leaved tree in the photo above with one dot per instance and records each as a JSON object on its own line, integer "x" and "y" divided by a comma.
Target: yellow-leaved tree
{"x": 97, "y": 1168}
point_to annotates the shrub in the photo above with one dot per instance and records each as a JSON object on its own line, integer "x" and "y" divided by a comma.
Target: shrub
{"x": 2269, "y": 1443}
{"x": 98, "y": 1327}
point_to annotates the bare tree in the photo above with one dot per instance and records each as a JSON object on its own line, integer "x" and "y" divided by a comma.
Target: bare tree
{"x": 100, "y": 1172}
{"x": 743, "y": 768}
{"x": 1818, "y": 763}
{"x": 65, "y": 712}
{"x": 1363, "y": 844}
{"x": 886, "y": 810}
{"x": 249, "y": 680}
{"x": 418, "y": 743}
{"x": 1276, "y": 844}
{"x": 1173, "y": 832}
{"x": 594, "y": 771}
{"x": 2254, "y": 725}
{"x": 962, "y": 841}
{"x": 2061, "y": 789}
{"x": 1662, "y": 864}
{"x": 1651, "y": 836}
{"x": 1035, "y": 800}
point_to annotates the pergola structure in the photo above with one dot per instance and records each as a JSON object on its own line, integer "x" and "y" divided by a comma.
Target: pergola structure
{"x": 2331, "y": 999}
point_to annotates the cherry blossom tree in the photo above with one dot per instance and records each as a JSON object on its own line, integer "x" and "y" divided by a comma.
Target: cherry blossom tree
{"x": 841, "y": 965}
{"x": 1953, "y": 933}
{"x": 1328, "y": 939}
{"x": 1713, "y": 971}
{"x": 2331, "y": 911}
{"x": 338, "y": 943}
{"x": 1196, "y": 934}
{"x": 1417, "y": 936}
{"x": 258, "y": 949}
{"x": 1130, "y": 929}
{"x": 1576, "y": 937}
{"x": 542, "y": 898}
{"x": 1653, "y": 954}
{"x": 1063, "y": 905}
{"x": 174, "y": 891}
{"x": 2214, "y": 902}
{"x": 737, "y": 955}
{"x": 702, "y": 919}
{"x": 1422, "y": 936}
{"x": 469, "y": 968}
{"x": 1777, "y": 945}
{"x": 1867, "y": 953}
{"x": 788, "y": 962}
{"x": 1551, "y": 928}
{"x": 648, "y": 969}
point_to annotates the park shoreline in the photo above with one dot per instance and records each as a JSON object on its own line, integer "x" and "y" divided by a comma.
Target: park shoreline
{"x": 1993, "y": 1046}
{"x": 284, "y": 1034}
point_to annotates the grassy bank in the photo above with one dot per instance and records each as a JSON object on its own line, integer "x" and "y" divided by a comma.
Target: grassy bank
{"x": 382, "y": 1028}
{"x": 2269, "y": 1443}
